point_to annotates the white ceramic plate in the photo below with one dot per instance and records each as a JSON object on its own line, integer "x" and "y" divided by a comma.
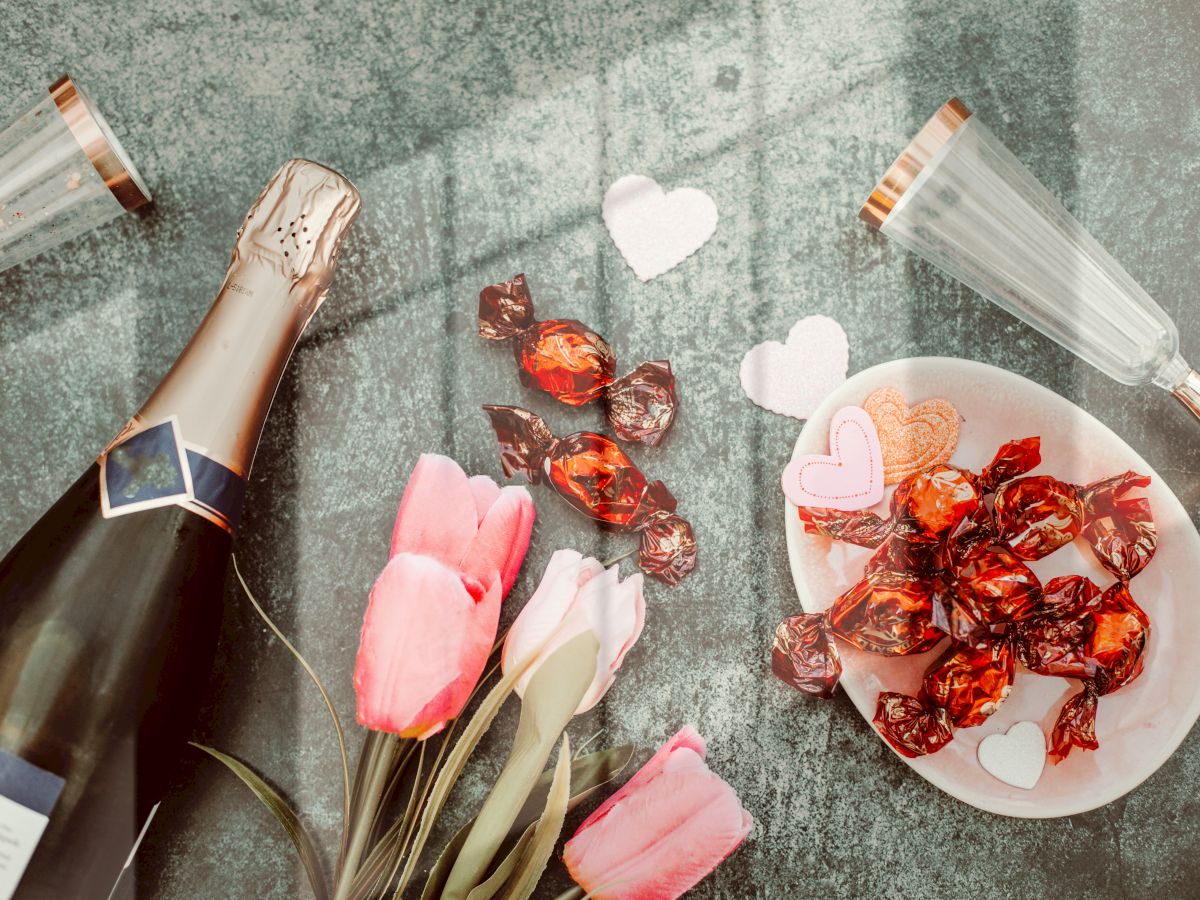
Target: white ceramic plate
{"x": 1140, "y": 725}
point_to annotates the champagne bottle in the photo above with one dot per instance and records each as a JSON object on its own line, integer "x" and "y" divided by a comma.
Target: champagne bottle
{"x": 110, "y": 605}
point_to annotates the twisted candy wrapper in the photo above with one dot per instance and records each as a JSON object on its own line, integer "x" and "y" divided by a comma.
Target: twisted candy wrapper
{"x": 594, "y": 475}
{"x": 574, "y": 365}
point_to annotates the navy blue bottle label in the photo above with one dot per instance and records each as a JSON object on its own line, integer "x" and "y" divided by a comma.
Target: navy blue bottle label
{"x": 27, "y": 795}
{"x": 155, "y": 467}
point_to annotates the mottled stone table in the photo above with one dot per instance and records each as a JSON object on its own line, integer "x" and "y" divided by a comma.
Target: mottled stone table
{"x": 482, "y": 137}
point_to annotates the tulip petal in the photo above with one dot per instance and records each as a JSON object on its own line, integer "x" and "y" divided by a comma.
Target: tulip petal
{"x": 686, "y": 737}
{"x": 545, "y": 611}
{"x": 485, "y": 492}
{"x": 503, "y": 537}
{"x": 662, "y": 832}
{"x": 438, "y": 514}
{"x": 616, "y": 612}
{"x": 425, "y": 641}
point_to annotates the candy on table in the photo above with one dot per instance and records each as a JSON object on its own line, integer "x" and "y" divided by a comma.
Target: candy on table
{"x": 573, "y": 364}
{"x": 594, "y": 475}
{"x": 805, "y": 655}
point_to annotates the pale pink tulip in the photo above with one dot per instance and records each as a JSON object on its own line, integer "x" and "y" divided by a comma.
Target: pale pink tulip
{"x": 577, "y": 595}
{"x": 667, "y": 828}
{"x": 432, "y": 616}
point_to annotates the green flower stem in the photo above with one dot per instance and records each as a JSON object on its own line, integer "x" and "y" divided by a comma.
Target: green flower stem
{"x": 573, "y": 893}
{"x": 553, "y": 694}
{"x": 379, "y": 768}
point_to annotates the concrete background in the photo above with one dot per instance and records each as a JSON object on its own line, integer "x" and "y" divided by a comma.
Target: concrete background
{"x": 482, "y": 137}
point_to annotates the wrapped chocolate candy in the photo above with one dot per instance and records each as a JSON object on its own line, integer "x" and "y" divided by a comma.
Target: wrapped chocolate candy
{"x": 991, "y": 586}
{"x": 970, "y": 683}
{"x": 1053, "y": 642}
{"x": 1037, "y": 515}
{"x": 1097, "y": 637}
{"x": 805, "y": 656}
{"x": 594, "y": 475}
{"x": 573, "y": 364}
{"x": 913, "y": 726}
{"x": 962, "y": 689}
{"x": 891, "y": 616}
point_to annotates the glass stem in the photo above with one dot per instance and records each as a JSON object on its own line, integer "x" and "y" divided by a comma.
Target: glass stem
{"x": 1188, "y": 392}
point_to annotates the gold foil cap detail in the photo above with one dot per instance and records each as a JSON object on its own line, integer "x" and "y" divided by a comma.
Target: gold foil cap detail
{"x": 298, "y": 222}
{"x": 908, "y": 165}
{"x": 91, "y": 132}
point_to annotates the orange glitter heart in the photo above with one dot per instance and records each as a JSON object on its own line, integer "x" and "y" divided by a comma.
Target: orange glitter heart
{"x": 913, "y": 438}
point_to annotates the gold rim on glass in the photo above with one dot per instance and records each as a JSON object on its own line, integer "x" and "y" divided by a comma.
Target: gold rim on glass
{"x": 916, "y": 156}
{"x": 91, "y": 131}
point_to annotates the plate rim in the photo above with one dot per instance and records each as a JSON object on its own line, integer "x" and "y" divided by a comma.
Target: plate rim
{"x": 793, "y": 533}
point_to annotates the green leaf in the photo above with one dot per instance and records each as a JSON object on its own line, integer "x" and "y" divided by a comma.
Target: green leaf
{"x": 488, "y": 889}
{"x": 337, "y": 722}
{"x": 533, "y": 858}
{"x": 383, "y": 861}
{"x": 455, "y": 761}
{"x": 550, "y": 700}
{"x": 284, "y": 813}
{"x": 588, "y": 774}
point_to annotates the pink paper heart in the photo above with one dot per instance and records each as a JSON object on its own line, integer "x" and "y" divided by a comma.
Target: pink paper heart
{"x": 851, "y": 477}
{"x": 794, "y": 377}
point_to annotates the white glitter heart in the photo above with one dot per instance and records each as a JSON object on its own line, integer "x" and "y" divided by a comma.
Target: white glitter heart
{"x": 1016, "y": 757}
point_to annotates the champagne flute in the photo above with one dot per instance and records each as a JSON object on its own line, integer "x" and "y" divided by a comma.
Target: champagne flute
{"x": 957, "y": 197}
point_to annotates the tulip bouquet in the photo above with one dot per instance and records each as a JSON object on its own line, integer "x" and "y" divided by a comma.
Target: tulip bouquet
{"x": 428, "y": 647}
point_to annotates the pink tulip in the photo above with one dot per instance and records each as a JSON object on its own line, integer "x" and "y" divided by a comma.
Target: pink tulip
{"x": 431, "y": 620}
{"x": 669, "y": 826}
{"x": 577, "y": 595}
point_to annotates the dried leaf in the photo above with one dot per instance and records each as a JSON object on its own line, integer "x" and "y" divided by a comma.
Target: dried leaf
{"x": 535, "y": 855}
{"x": 287, "y": 817}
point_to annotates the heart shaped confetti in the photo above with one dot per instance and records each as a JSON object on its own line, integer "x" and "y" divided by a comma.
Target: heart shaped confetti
{"x": 656, "y": 231}
{"x": 794, "y": 377}
{"x": 1016, "y": 757}
{"x": 913, "y": 437}
{"x": 851, "y": 477}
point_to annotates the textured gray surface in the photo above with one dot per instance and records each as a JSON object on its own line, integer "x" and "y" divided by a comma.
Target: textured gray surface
{"x": 482, "y": 137}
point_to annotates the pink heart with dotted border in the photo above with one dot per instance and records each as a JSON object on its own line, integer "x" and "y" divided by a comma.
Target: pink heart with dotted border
{"x": 850, "y": 477}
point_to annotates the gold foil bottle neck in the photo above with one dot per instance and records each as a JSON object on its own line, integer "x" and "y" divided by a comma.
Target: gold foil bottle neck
{"x": 297, "y": 224}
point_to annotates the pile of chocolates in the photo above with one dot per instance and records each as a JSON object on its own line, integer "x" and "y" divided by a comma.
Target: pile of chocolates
{"x": 948, "y": 563}
{"x": 590, "y": 471}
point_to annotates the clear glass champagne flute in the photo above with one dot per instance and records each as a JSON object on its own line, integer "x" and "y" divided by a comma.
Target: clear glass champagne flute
{"x": 957, "y": 197}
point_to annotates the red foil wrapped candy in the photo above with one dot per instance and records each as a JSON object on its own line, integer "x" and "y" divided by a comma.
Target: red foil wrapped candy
{"x": 891, "y": 616}
{"x": 970, "y": 683}
{"x": 594, "y": 475}
{"x": 573, "y": 364}
{"x": 1097, "y": 637}
{"x": 805, "y": 656}
{"x": 1035, "y": 516}
{"x": 911, "y": 725}
{"x": 995, "y": 586}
